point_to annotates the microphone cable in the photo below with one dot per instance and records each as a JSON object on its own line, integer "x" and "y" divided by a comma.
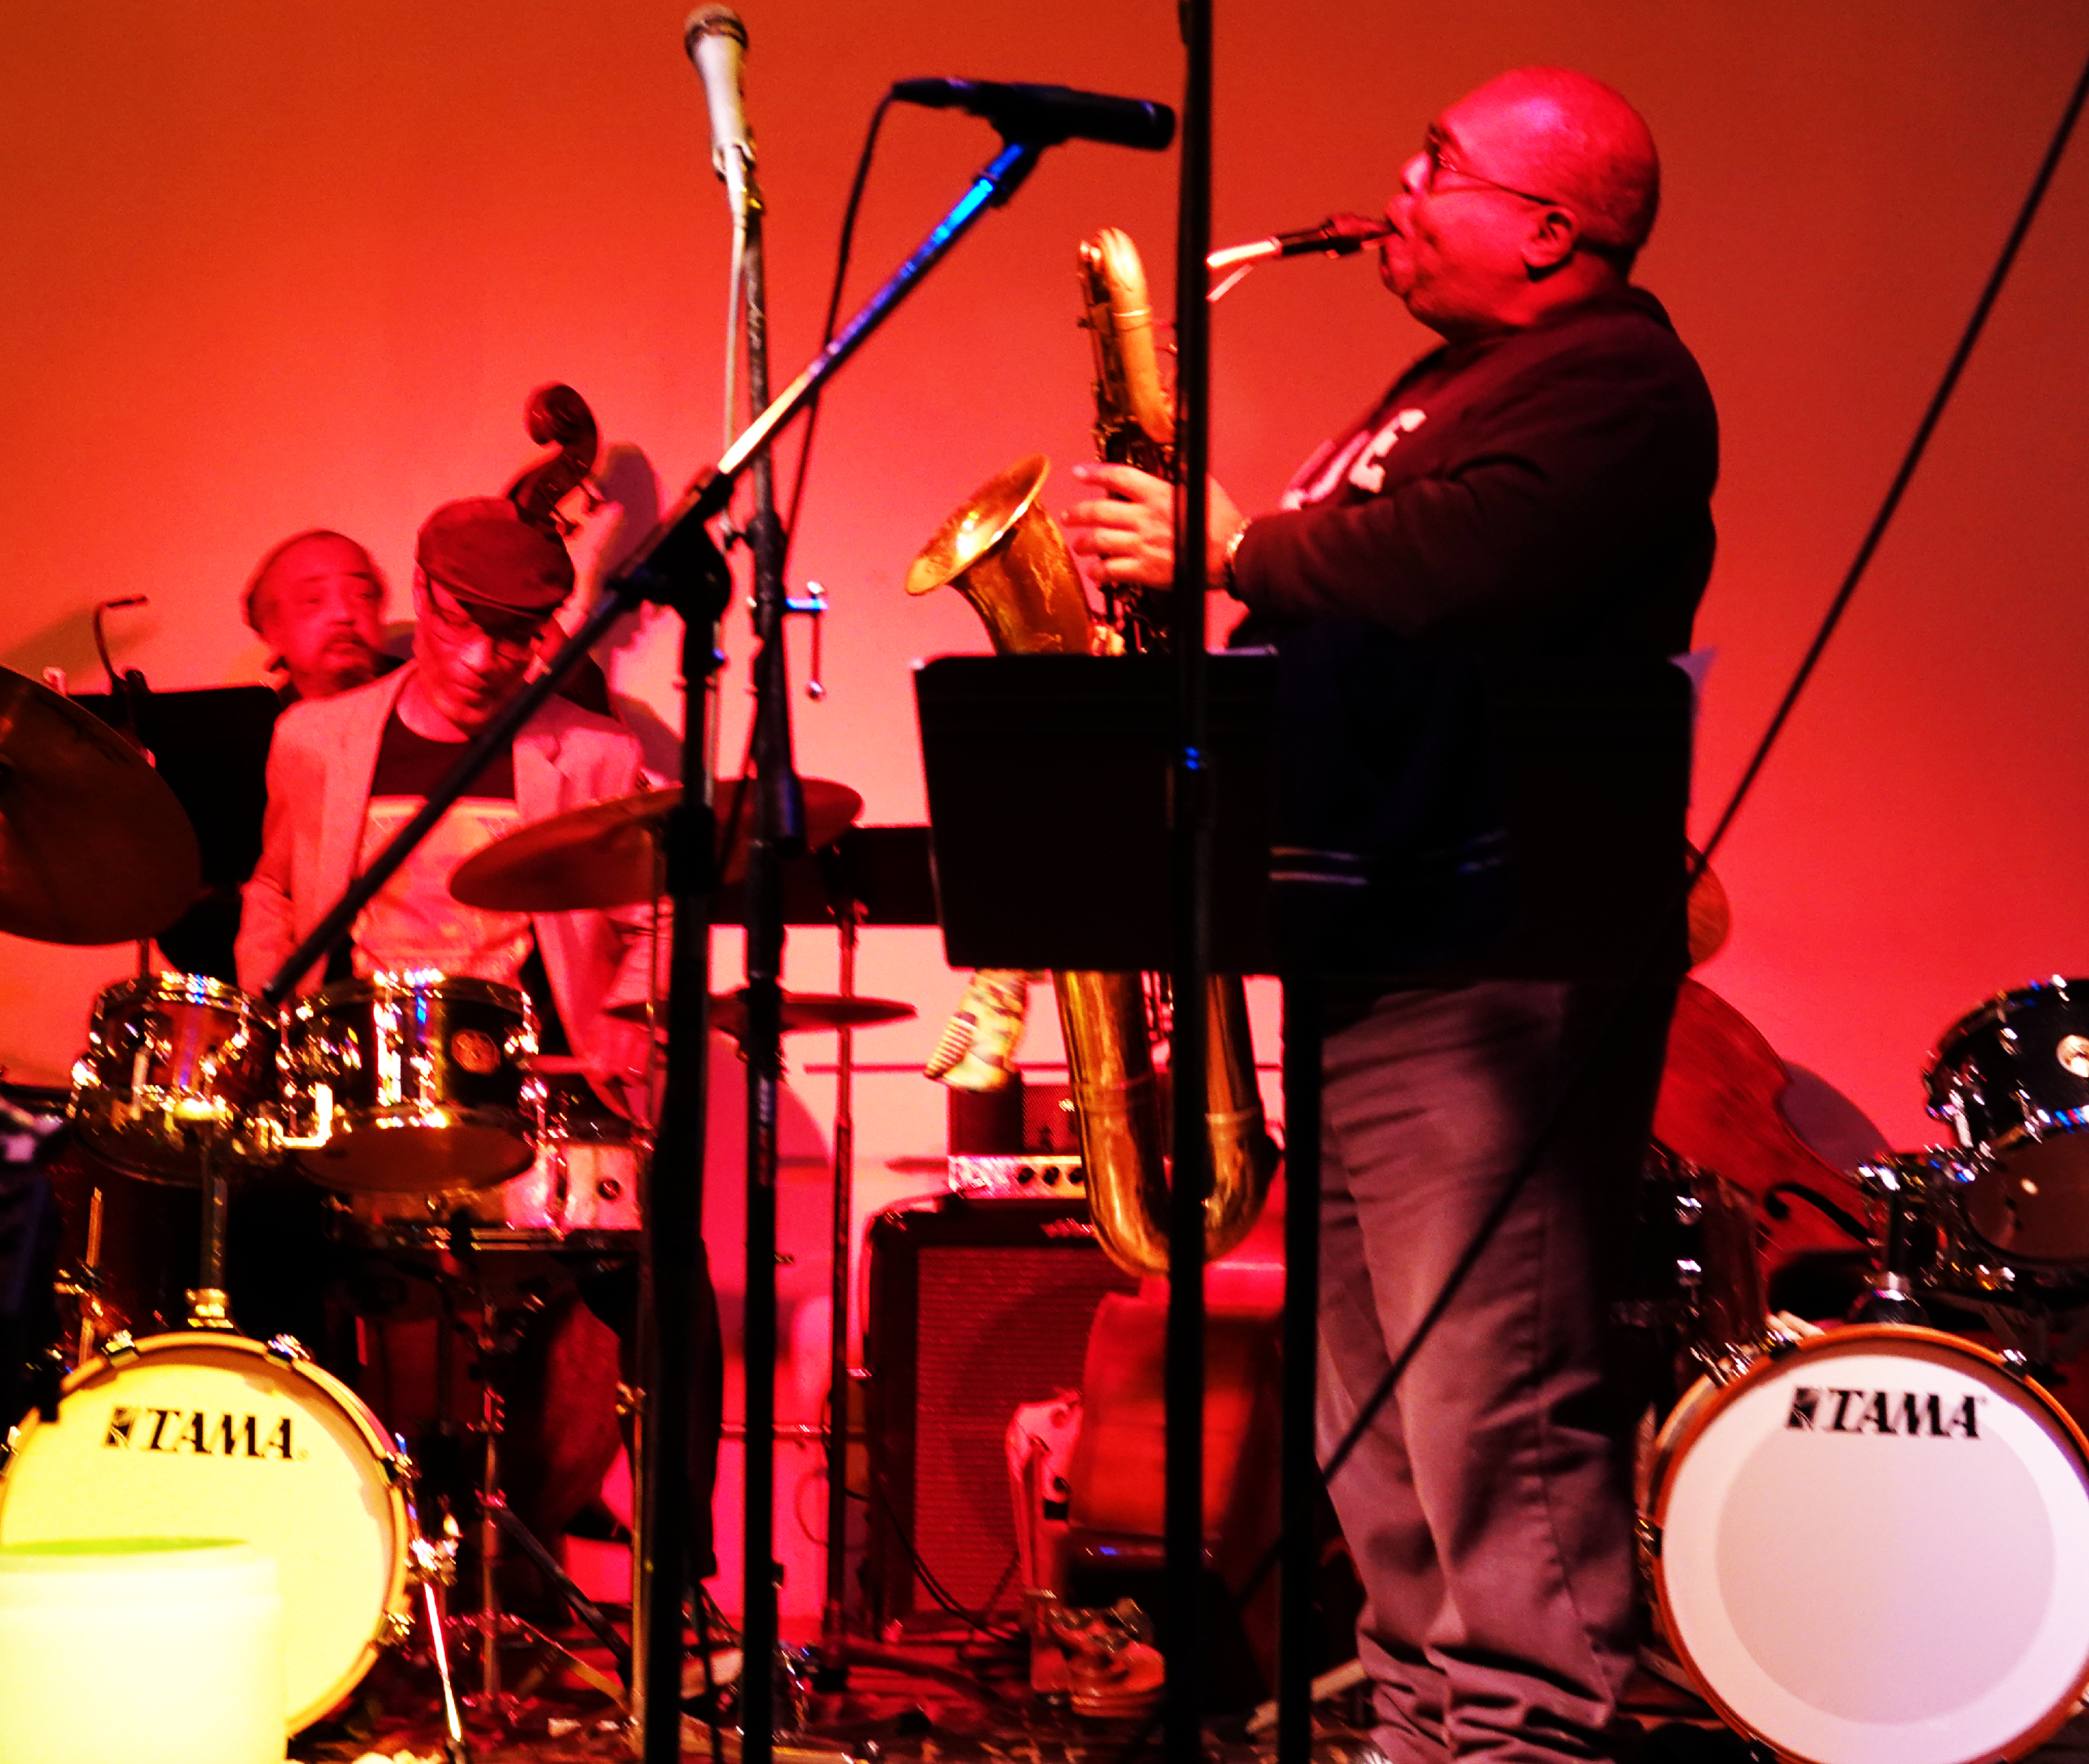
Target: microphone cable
{"x": 1644, "y": 967}
{"x": 841, "y": 255}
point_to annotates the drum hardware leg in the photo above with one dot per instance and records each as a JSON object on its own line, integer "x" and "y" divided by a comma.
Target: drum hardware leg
{"x": 832, "y": 1674}
{"x": 547, "y": 1564}
{"x": 434, "y": 1565}
{"x": 208, "y": 1307}
{"x": 489, "y": 1525}
{"x": 92, "y": 1315}
{"x": 1891, "y": 1299}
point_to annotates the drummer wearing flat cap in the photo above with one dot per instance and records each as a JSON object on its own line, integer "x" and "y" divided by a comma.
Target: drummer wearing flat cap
{"x": 345, "y": 773}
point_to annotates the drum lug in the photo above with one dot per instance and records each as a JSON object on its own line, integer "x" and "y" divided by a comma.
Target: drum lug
{"x": 1650, "y": 1537}
{"x": 398, "y": 1628}
{"x": 210, "y": 1308}
{"x": 122, "y": 1346}
{"x": 287, "y": 1350}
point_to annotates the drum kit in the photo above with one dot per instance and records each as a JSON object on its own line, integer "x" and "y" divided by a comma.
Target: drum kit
{"x": 1863, "y": 1544}
{"x": 420, "y": 1102}
{"x": 1871, "y": 1542}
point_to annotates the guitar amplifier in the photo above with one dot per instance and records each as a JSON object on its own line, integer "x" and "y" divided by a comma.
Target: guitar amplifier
{"x": 976, "y": 1307}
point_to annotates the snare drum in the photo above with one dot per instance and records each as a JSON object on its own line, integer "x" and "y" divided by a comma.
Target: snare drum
{"x": 174, "y": 1063}
{"x": 412, "y": 1082}
{"x": 1869, "y": 1548}
{"x": 213, "y": 1436}
{"x": 585, "y": 1178}
{"x": 2013, "y": 1079}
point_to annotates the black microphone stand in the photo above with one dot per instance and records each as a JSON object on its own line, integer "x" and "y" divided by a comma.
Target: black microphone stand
{"x": 779, "y": 833}
{"x": 1182, "y": 1716}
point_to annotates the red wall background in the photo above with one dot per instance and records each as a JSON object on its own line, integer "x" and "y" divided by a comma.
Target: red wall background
{"x": 270, "y": 266}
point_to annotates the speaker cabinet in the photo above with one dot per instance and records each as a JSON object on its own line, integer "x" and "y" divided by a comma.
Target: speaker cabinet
{"x": 976, "y": 1307}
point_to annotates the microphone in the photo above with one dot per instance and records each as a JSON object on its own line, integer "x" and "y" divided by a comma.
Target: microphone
{"x": 715, "y": 41}
{"x": 1337, "y": 236}
{"x": 1044, "y": 116}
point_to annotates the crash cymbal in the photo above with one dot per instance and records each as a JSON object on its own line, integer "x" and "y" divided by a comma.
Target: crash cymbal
{"x": 94, "y": 848}
{"x": 1711, "y": 919}
{"x": 603, "y": 856}
{"x": 804, "y": 1011}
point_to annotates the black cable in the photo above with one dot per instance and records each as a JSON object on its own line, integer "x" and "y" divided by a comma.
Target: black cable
{"x": 833, "y": 311}
{"x": 1916, "y": 448}
{"x": 977, "y": 1621}
{"x": 1678, "y": 906}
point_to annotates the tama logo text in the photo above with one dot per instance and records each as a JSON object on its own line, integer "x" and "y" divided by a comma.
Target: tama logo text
{"x": 1910, "y": 1414}
{"x": 198, "y": 1432}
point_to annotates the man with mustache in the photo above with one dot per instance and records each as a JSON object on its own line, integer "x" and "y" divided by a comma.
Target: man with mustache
{"x": 318, "y": 601}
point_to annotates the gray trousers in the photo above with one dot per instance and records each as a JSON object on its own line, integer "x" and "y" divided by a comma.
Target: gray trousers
{"x": 1489, "y": 1507}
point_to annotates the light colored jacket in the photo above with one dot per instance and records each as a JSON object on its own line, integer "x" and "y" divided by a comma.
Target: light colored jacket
{"x": 321, "y": 764}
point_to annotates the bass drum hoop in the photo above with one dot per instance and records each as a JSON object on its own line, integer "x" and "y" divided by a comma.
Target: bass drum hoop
{"x": 396, "y": 1607}
{"x": 1706, "y": 1400}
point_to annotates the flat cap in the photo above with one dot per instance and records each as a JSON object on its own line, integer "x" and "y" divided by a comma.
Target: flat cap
{"x": 482, "y": 551}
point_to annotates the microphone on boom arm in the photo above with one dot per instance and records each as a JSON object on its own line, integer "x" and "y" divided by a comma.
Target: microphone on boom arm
{"x": 1044, "y": 116}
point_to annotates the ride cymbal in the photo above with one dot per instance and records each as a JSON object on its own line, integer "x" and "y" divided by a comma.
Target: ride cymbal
{"x": 94, "y": 847}
{"x": 604, "y": 855}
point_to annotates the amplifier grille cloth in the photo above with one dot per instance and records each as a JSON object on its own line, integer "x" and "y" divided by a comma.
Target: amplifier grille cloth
{"x": 998, "y": 1327}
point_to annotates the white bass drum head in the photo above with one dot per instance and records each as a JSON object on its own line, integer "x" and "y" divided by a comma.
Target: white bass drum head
{"x": 208, "y": 1435}
{"x": 1874, "y": 1548}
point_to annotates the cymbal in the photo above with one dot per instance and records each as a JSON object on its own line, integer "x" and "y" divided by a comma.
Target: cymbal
{"x": 94, "y": 847}
{"x": 803, "y": 1011}
{"x": 603, "y": 855}
{"x": 1711, "y": 919}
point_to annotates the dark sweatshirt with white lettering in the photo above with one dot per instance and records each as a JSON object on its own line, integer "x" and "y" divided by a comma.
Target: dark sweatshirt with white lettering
{"x": 1544, "y": 492}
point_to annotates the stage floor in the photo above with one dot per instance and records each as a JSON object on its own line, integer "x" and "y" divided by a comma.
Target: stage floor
{"x": 948, "y": 1708}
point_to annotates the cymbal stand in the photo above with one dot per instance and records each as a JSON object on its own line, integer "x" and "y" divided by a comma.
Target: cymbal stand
{"x": 497, "y": 1520}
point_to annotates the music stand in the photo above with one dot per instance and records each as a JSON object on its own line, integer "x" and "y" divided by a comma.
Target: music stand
{"x": 1047, "y": 784}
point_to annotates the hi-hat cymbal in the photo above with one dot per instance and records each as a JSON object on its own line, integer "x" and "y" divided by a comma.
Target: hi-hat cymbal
{"x": 603, "y": 855}
{"x": 809, "y": 1011}
{"x": 94, "y": 847}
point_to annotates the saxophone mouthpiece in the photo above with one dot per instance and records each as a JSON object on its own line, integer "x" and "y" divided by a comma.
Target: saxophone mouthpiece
{"x": 1337, "y": 236}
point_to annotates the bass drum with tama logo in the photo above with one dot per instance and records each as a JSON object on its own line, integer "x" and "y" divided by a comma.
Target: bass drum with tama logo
{"x": 1870, "y": 1548}
{"x": 212, "y": 1435}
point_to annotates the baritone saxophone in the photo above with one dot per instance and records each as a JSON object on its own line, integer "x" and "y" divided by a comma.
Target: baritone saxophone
{"x": 1006, "y": 556}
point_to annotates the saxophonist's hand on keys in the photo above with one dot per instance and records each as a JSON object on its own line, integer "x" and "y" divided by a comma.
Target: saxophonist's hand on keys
{"x": 1129, "y": 537}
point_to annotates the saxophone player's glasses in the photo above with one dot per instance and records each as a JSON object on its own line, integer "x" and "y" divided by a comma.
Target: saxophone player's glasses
{"x": 1440, "y": 161}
